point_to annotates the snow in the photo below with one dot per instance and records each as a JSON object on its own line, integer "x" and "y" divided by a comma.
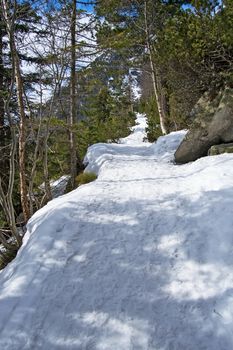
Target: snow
{"x": 99, "y": 153}
{"x": 58, "y": 187}
{"x": 140, "y": 259}
{"x": 136, "y": 90}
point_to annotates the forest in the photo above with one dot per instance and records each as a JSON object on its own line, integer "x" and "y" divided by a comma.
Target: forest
{"x": 68, "y": 71}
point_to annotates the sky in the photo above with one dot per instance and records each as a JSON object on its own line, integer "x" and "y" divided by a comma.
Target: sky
{"x": 89, "y": 8}
{"x": 56, "y": 3}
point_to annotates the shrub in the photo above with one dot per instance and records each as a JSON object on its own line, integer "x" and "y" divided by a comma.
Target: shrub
{"x": 85, "y": 178}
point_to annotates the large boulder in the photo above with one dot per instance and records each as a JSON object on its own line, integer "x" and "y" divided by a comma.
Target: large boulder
{"x": 212, "y": 125}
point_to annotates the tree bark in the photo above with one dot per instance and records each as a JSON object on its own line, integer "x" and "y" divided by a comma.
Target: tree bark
{"x": 73, "y": 106}
{"x": 22, "y": 141}
{"x": 6, "y": 198}
{"x": 22, "y": 125}
{"x": 1, "y": 74}
{"x": 155, "y": 75}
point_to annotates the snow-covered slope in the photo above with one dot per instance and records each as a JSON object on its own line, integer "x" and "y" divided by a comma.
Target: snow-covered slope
{"x": 140, "y": 259}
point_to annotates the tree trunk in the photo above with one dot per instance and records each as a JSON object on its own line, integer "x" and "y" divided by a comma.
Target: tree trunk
{"x": 47, "y": 187}
{"x": 73, "y": 107}
{"x": 22, "y": 125}
{"x": 22, "y": 141}
{"x": 156, "y": 77}
{"x": 6, "y": 198}
{"x": 1, "y": 75}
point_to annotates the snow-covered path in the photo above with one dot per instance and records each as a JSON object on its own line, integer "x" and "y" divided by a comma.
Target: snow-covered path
{"x": 141, "y": 259}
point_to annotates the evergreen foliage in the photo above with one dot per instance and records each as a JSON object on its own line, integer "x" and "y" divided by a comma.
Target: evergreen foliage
{"x": 191, "y": 46}
{"x": 149, "y": 107}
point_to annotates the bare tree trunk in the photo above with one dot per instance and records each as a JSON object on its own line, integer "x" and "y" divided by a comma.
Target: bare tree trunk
{"x": 130, "y": 93}
{"x": 6, "y": 195}
{"x": 22, "y": 142}
{"x": 10, "y": 190}
{"x": 73, "y": 107}
{"x": 37, "y": 138}
{"x": 48, "y": 193}
{"x": 155, "y": 74}
{"x": 22, "y": 126}
{"x": 1, "y": 75}
{"x": 6, "y": 199}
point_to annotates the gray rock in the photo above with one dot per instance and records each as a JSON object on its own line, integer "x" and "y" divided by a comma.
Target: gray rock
{"x": 213, "y": 125}
{"x": 219, "y": 149}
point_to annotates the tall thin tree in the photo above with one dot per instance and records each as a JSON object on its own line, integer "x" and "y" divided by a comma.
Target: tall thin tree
{"x": 1, "y": 73}
{"x": 9, "y": 20}
{"x": 155, "y": 73}
{"x": 73, "y": 105}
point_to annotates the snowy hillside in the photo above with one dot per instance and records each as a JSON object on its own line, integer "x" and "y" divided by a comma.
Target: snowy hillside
{"x": 140, "y": 259}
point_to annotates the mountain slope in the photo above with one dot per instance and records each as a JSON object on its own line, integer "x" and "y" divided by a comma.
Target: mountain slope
{"x": 142, "y": 258}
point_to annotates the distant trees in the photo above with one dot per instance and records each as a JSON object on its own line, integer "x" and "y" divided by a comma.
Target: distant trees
{"x": 185, "y": 46}
{"x": 134, "y": 26}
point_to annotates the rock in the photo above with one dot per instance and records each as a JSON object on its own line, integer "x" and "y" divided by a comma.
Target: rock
{"x": 213, "y": 125}
{"x": 219, "y": 149}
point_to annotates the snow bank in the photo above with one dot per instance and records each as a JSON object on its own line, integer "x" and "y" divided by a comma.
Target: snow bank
{"x": 58, "y": 187}
{"x": 100, "y": 153}
{"x": 134, "y": 145}
{"x": 166, "y": 146}
{"x": 140, "y": 259}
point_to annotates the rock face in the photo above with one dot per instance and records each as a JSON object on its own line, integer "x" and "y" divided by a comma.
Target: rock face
{"x": 219, "y": 149}
{"x": 213, "y": 125}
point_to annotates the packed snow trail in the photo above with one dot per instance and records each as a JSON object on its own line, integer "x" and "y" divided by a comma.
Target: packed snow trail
{"x": 140, "y": 259}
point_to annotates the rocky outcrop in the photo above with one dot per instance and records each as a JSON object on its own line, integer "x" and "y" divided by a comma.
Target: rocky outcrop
{"x": 213, "y": 125}
{"x": 219, "y": 149}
